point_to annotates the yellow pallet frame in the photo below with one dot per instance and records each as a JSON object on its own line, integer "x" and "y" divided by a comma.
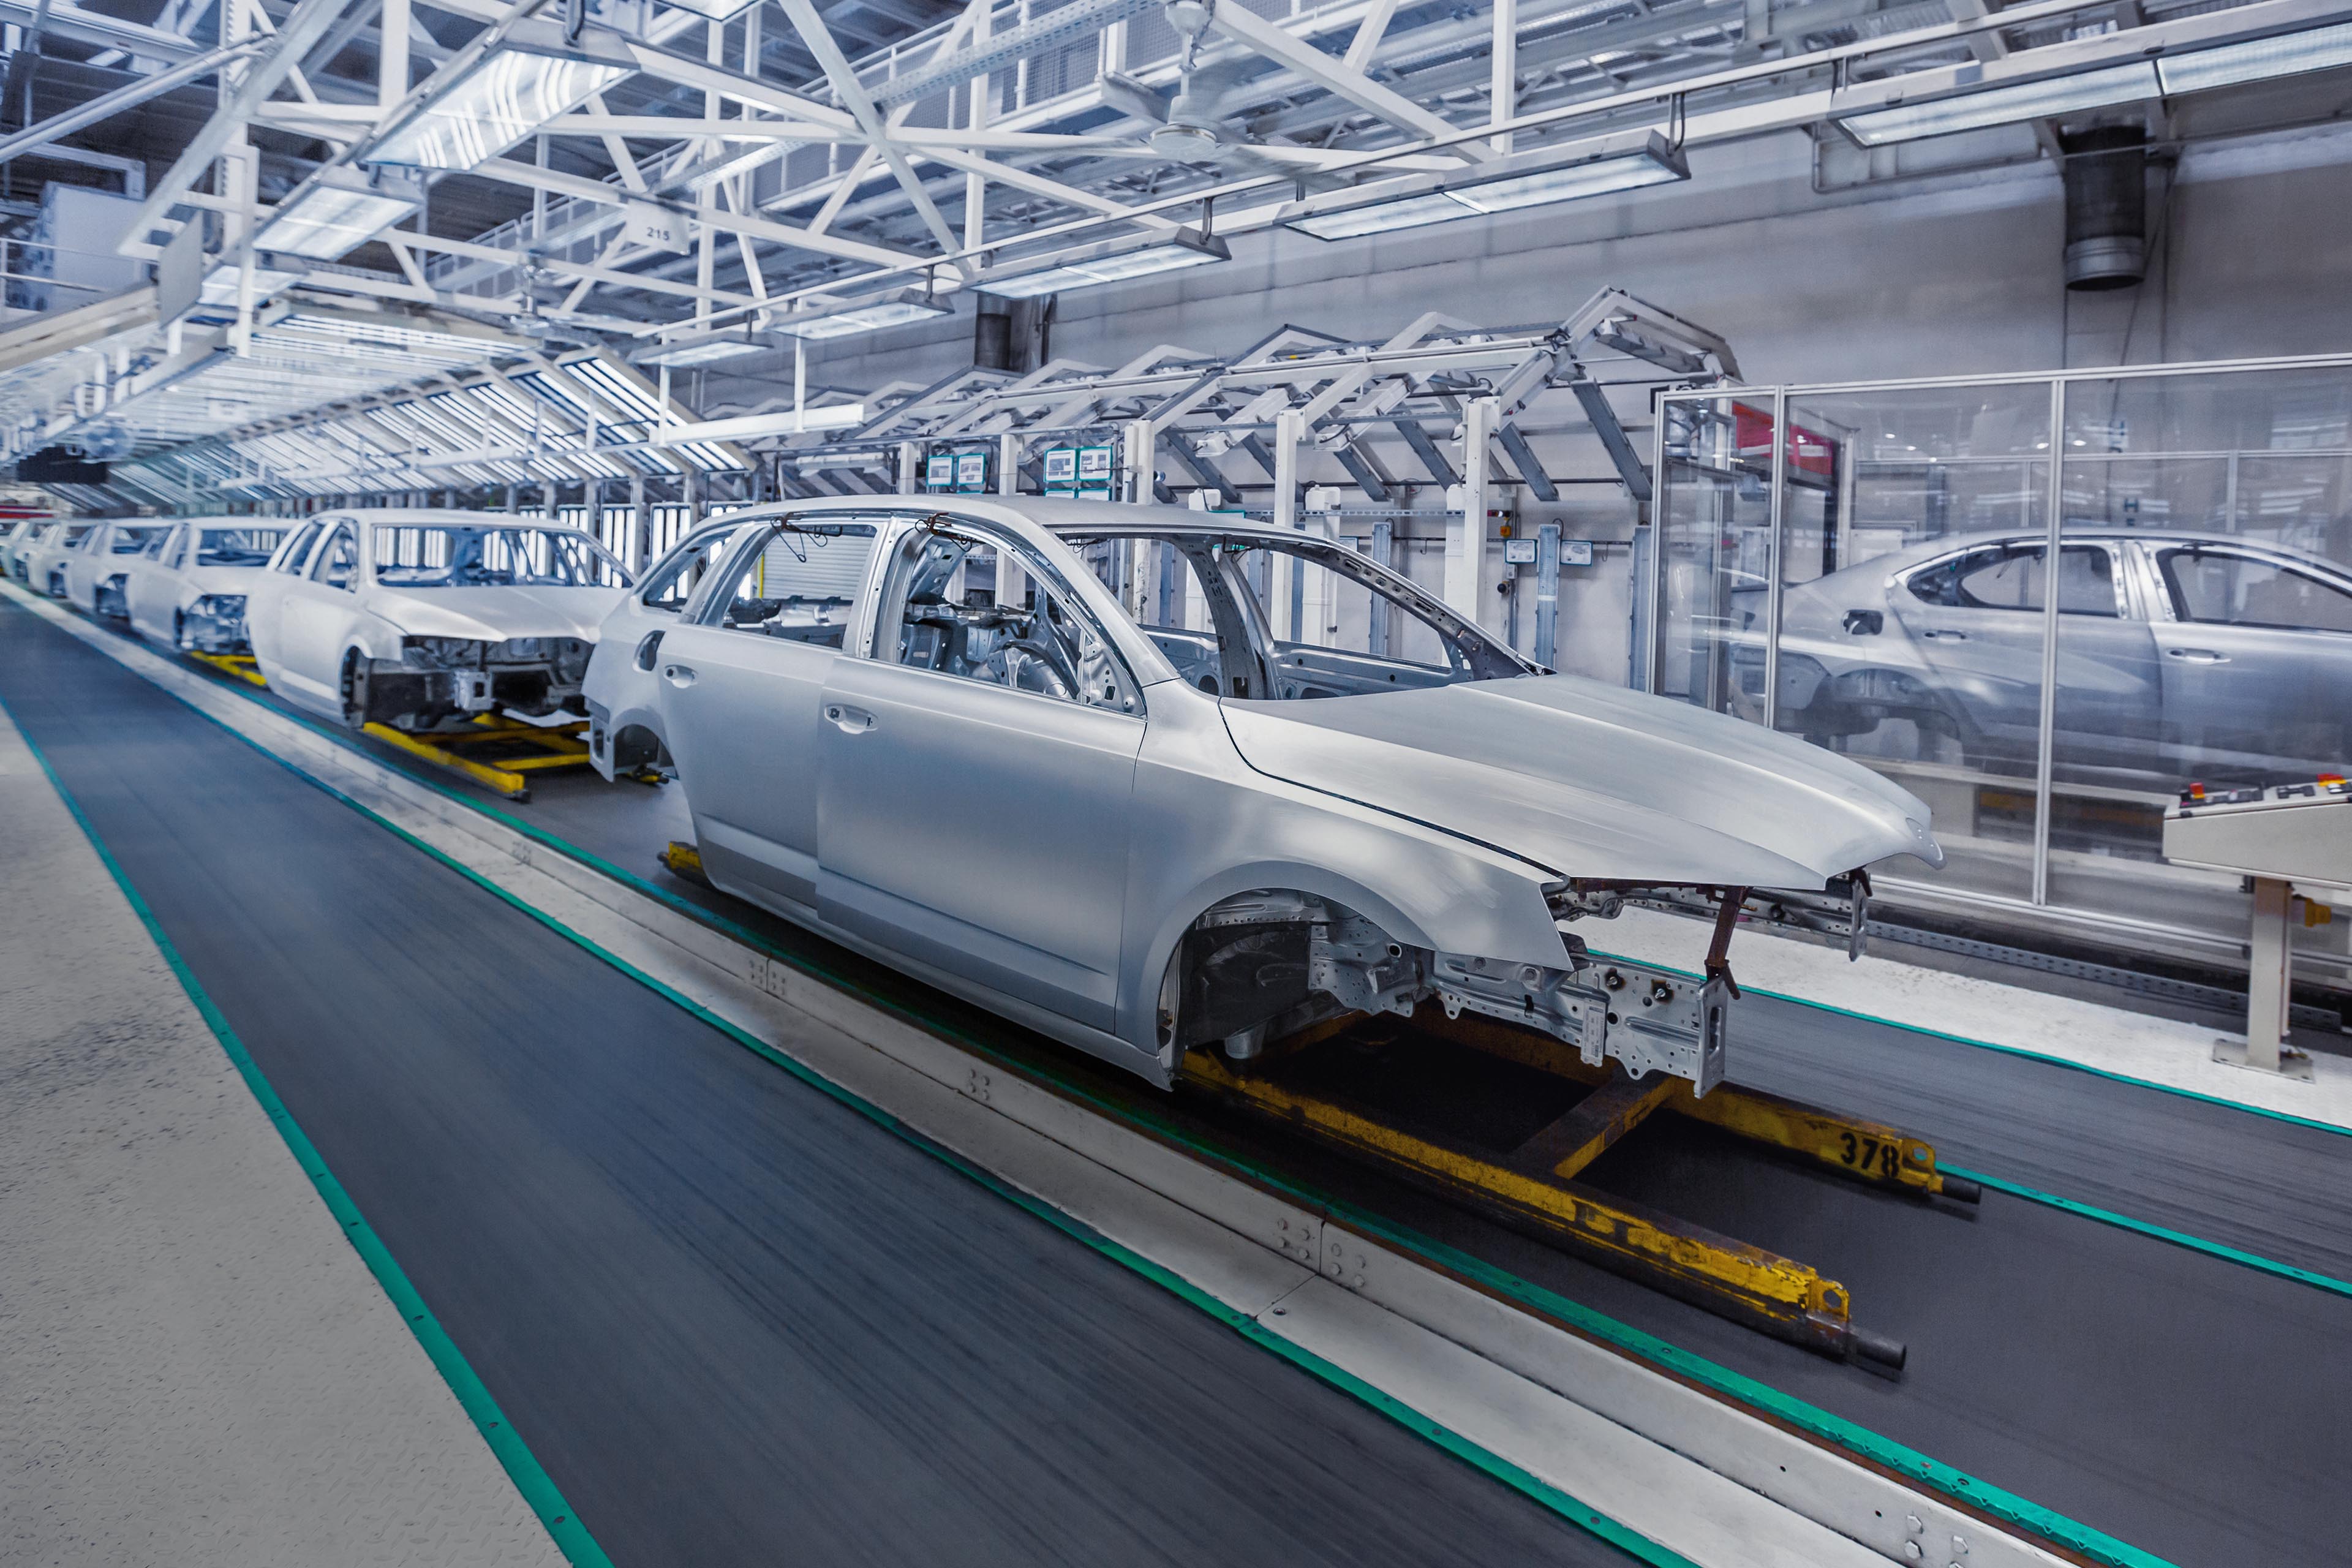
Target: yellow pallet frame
{"x": 560, "y": 747}
{"x": 239, "y": 665}
{"x": 1532, "y": 1188}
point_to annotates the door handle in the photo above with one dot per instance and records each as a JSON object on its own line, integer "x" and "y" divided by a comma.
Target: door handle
{"x": 847, "y": 719}
{"x": 678, "y": 675}
{"x": 2197, "y": 656}
{"x": 1945, "y": 636}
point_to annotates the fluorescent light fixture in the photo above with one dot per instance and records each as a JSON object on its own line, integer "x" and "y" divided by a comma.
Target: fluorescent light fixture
{"x": 2057, "y": 95}
{"x": 1110, "y": 263}
{"x": 511, "y": 93}
{"x": 707, "y": 348}
{"x": 1626, "y": 161}
{"x": 717, "y": 10}
{"x": 2259, "y": 60}
{"x": 329, "y": 217}
{"x": 864, "y": 316}
{"x": 221, "y": 282}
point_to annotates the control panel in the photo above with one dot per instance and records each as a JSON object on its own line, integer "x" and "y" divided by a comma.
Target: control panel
{"x": 2300, "y": 833}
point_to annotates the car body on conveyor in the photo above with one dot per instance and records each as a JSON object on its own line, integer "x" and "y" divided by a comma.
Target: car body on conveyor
{"x": 100, "y": 568}
{"x": 2180, "y": 655}
{"x": 188, "y": 589}
{"x": 423, "y": 620}
{"x": 928, "y": 729}
{"x": 16, "y": 553}
{"x": 14, "y": 531}
{"x": 43, "y": 567}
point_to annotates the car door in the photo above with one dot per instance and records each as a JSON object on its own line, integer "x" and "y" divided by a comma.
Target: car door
{"x": 315, "y": 613}
{"x": 147, "y": 590}
{"x": 269, "y": 595}
{"x": 624, "y": 677}
{"x": 1977, "y": 621}
{"x": 2257, "y": 659}
{"x": 740, "y": 683}
{"x": 977, "y": 769}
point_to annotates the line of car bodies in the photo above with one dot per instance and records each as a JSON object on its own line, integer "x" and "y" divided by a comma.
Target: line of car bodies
{"x": 928, "y": 730}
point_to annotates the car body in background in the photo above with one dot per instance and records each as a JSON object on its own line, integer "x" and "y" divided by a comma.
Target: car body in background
{"x": 44, "y": 559}
{"x": 928, "y": 730}
{"x": 187, "y": 589}
{"x": 99, "y": 570}
{"x": 2179, "y": 655}
{"x": 16, "y": 556}
{"x": 423, "y": 620}
{"x": 15, "y": 531}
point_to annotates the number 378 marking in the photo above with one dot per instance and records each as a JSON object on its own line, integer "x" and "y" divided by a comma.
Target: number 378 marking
{"x": 1869, "y": 1156}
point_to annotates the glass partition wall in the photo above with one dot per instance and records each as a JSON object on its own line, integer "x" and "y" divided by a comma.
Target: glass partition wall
{"x": 2045, "y": 606}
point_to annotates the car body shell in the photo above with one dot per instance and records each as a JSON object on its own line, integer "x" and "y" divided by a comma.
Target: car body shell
{"x": 305, "y": 632}
{"x": 2145, "y": 695}
{"x": 1045, "y": 858}
{"x": 165, "y": 586}
{"x": 98, "y": 571}
{"x": 45, "y": 560}
{"x": 16, "y": 553}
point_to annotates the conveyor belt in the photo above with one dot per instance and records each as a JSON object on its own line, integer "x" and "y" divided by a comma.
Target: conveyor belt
{"x": 2190, "y": 1405}
{"x": 736, "y": 1321}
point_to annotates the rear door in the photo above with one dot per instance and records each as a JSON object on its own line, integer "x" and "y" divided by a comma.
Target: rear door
{"x": 150, "y": 587}
{"x": 978, "y": 772}
{"x": 625, "y": 676}
{"x": 2256, "y": 660}
{"x": 739, "y": 688}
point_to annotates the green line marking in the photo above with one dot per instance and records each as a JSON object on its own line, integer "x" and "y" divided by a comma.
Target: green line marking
{"x": 2161, "y": 1232}
{"x": 1737, "y": 1388}
{"x": 538, "y": 1488}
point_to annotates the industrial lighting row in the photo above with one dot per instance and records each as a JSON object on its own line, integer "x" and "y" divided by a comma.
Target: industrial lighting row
{"x": 511, "y": 93}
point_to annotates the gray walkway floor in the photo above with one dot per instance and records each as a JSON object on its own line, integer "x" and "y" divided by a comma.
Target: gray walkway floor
{"x": 195, "y": 1367}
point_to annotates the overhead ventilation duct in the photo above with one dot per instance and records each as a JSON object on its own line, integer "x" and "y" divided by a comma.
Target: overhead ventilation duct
{"x": 2105, "y": 175}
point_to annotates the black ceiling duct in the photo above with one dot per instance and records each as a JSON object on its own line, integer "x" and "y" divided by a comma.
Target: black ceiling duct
{"x": 2106, "y": 173}
{"x": 59, "y": 466}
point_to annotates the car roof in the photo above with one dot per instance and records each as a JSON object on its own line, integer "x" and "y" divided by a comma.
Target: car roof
{"x": 1056, "y": 514}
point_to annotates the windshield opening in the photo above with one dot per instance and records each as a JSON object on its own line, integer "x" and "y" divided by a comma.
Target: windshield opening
{"x": 237, "y": 546}
{"x": 131, "y": 540}
{"x": 1243, "y": 616}
{"x": 429, "y": 556}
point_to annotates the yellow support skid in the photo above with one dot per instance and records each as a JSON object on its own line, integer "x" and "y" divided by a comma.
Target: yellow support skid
{"x": 684, "y": 860}
{"x": 506, "y": 782}
{"x": 1868, "y": 1152}
{"x": 1785, "y": 1297}
{"x": 237, "y": 664}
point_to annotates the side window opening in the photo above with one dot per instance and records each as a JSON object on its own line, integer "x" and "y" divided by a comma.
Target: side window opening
{"x": 673, "y": 583}
{"x": 299, "y": 550}
{"x": 2012, "y": 577}
{"x": 2227, "y": 588}
{"x": 966, "y": 604}
{"x": 798, "y": 580}
{"x": 338, "y": 560}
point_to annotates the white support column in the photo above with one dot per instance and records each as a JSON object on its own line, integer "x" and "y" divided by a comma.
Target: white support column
{"x": 392, "y": 55}
{"x": 911, "y": 467}
{"x": 1011, "y": 580}
{"x": 1503, "y": 90}
{"x": 975, "y": 185}
{"x": 1289, "y": 432}
{"x": 1465, "y": 536}
{"x": 1142, "y": 457}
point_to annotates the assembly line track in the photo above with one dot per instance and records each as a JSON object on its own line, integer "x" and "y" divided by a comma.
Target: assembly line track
{"x": 728, "y": 1315}
{"x": 2286, "y": 1547}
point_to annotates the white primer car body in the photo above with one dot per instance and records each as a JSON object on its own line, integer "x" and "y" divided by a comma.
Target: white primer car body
{"x": 16, "y": 552}
{"x": 100, "y": 568}
{"x": 44, "y": 569}
{"x": 1139, "y": 839}
{"x": 15, "y": 531}
{"x": 622, "y": 692}
{"x": 188, "y": 589}
{"x": 423, "y": 619}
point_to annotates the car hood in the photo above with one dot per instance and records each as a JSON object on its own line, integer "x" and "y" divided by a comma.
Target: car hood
{"x": 1591, "y": 780}
{"x": 494, "y": 615}
{"x": 199, "y": 581}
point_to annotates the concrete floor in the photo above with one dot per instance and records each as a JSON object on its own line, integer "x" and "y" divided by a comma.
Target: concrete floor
{"x": 195, "y": 1367}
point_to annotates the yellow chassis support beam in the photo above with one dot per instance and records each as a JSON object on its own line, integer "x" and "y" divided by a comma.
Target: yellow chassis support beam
{"x": 1868, "y": 1152}
{"x": 684, "y": 860}
{"x": 237, "y": 664}
{"x": 1779, "y": 1295}
{"x": 504, "y": 780}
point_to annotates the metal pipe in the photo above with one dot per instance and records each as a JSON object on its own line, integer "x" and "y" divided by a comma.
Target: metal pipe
{"x": 2044, "y": 763}
{"x": 1774, "y": 514}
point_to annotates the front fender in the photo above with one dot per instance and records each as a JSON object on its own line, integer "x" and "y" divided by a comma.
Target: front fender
{"x": 1217, "y": 827}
